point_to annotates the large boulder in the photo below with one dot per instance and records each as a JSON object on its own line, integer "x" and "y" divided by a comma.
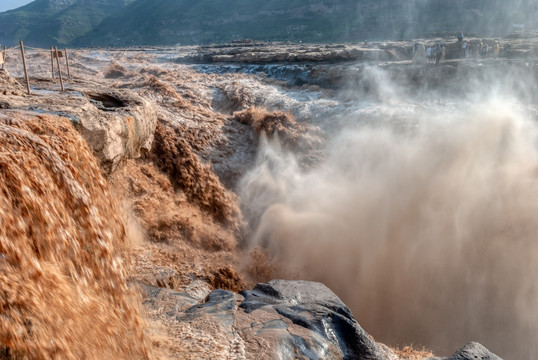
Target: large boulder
{"x": 316, "y": 308}
{"x": 473, "y": 351}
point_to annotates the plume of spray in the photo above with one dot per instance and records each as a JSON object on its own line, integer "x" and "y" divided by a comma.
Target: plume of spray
{"x": 423, "y": 222}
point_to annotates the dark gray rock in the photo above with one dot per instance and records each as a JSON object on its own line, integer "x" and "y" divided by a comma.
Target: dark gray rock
{"x": 219, "y": 303}
{"x": 315, "y": 307}
{"x": 474, "y": 351}
{"x": 280, "y": 320}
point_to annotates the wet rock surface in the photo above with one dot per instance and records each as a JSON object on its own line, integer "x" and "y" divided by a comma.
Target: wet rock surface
{"x": 282, "y": 319}
{"x": 314, "y": 307}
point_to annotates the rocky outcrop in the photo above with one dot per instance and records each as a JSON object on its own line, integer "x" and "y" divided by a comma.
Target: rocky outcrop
{"x": 280, "y": 319}
{"x": 278, "y": 52}
{"x": 308, "y": 318}
{"x": 117, "y": 124}
{"x": 264, "y": 53}
{"x": 120, "y": 125}
{"x": 474, "y": 350}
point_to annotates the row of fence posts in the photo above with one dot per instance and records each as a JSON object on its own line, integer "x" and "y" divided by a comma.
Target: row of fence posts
{"x": 54, "y": 53}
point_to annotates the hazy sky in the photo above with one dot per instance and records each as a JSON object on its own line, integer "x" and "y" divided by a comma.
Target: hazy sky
{"x": 12, "y": 4}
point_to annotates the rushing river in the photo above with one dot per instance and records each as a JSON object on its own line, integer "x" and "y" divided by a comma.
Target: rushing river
{"x": 418, "y": 207}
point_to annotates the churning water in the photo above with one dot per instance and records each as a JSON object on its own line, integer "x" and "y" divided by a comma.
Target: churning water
{"x": 421, "y": 216}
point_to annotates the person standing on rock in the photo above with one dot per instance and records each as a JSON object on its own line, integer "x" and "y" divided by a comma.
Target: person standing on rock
{"x": 438, "y": 52}
{"x": 485, "y": 50}
{"x": 464, "y": 49}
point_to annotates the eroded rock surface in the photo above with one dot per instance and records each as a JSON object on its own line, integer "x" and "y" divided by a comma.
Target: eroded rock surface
{"x": 117, "y": 124}
{"x": 281, "y": 319}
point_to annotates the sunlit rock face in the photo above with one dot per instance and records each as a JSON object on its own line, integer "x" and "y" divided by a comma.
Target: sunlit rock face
{"x": 117, "y": 124}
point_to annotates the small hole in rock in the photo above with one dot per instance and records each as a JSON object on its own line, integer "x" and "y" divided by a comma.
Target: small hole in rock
{"x": 105, "y": 101}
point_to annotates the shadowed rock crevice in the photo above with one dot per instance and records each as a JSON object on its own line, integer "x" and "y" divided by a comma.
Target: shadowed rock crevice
{"x": 105, "y": 101}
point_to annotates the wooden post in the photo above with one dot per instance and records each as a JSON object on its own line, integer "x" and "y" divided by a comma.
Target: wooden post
{"x": 67, "y": 62}
{"x": 5, "y": 55}
{"x": 25, "y": 70}
{"x": 59, "y": 69}
{"x": 52, "y": 61}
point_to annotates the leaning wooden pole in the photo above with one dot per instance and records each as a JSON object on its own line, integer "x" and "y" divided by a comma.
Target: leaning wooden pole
{"x": 5, "y": 56}
{"x": 52, "y": 61}
{"x": 59, "y": 69}
{"x": 25, "y": 70}
{"x": 67, "y": 63}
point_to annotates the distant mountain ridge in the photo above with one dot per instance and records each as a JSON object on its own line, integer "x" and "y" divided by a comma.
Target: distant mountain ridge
{"x": 166, "y": 22}
{"x": 55, "y": 22}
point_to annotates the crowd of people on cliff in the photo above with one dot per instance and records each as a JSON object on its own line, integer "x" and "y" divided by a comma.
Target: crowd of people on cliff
{"x": 435, "y": 53}
{"x": 482, "y": 49}
{"x": 432, "y": 54}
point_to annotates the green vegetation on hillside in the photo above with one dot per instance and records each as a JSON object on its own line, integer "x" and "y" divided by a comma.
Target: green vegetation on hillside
{"x": 55, "y": 22}
{"x": 161, "y": 22}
